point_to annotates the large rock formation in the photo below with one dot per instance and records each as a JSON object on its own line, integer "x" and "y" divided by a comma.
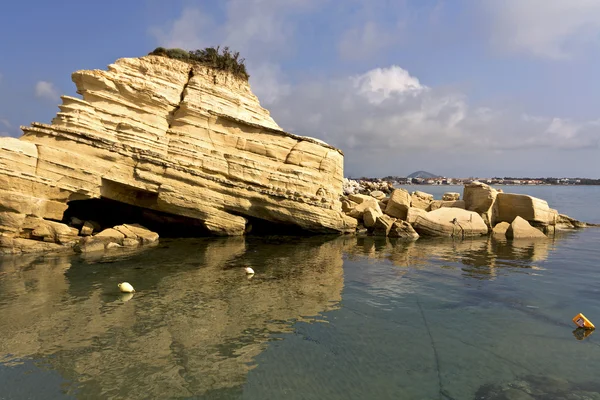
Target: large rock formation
{"x": 177, "y": 138}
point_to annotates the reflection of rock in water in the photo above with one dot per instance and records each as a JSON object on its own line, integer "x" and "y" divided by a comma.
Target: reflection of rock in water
{"x": 479, "y": 258}
{"x": 195, "y": 324}
{"x": 535, "y": 387}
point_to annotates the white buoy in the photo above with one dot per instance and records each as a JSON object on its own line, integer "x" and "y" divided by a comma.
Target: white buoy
{"x": 126, "y": 287}
{"x": 249, "y": 271}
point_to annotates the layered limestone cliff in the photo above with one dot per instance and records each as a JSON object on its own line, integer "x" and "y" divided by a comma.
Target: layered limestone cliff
{"x": 185, "y": 140}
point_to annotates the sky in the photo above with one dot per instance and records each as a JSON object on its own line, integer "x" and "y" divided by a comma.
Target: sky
{"x": 460, "y": 88}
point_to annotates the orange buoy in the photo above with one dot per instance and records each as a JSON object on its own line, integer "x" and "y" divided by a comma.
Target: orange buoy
{"x": 581, "y": 321}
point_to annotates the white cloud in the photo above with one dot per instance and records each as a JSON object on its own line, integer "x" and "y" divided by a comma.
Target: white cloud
{"x": 544, "y": 28}
{"x": 46, "y": 90}
{"x": 387, "y": 117}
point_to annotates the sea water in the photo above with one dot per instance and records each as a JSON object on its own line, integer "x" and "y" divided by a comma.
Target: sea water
{"x": 322, "y": 318}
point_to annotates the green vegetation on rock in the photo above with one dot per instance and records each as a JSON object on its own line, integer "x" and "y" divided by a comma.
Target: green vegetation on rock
{"x": 224, "y": 60}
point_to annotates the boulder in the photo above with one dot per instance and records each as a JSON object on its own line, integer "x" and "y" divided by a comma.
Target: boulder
{"x": 369, "y": 202}
{"x": 370, "y": 216}
{"x": 421, "y": 200}
{"x": 87, "y": 229}
{"x": 449, "y": 203}
{"x": 90, "y": 244}
{"x": 413, "y": 213}
{"x": 451, "y": 196}
{"x": 500, "y": 229}
{"x": 110, "y": 235}
{"x": 480, "y": 198}
{"x": 403, "y": 230}
{"x": 454, "y": 222}
{"x": 125, "y": 231}
{"x": 565, "y": 222}
{"x": 378, "y": 194}
{"x": 383, "y": 225}
{"x": 536, "y": 211}
{"x": 145, "y": 235}
{"x": 521, "y": 229}
{"x": 398, "y": 204}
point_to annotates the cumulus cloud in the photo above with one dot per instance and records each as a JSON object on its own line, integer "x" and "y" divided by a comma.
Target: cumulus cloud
{"x": 543, "y": 28}
{"x": 386, "y": 117}
{"x": 46, "y": 90}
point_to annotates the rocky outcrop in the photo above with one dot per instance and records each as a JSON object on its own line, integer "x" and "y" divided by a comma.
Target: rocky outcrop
{"x": 176, "y": 138}
{"x": 500, "y": 229}
{"x": 454, "y": 222}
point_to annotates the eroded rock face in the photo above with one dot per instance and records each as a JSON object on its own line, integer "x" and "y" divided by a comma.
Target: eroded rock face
{"x": 168, "y": 136}
{"x": 509, "y": 206}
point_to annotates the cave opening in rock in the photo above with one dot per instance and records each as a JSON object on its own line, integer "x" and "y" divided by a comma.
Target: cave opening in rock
{"x": 261, "y": 227}
{"x": 108, "y": 213}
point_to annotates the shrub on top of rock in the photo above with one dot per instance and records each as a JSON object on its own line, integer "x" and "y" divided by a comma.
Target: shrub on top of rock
{"x": 224, "y": 60}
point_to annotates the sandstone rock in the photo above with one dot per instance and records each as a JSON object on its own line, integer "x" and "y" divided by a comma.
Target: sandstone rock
{"x": 508, "y": 206}
{"x": 480, "y": 198}
{"x": 128, "y": 233}
{"x": 451, "y": 196}
{"x": 565, "y": 222}
{"x": 358, "y": 211}
{"x": 500, "y": 229}
{"x": 48, "y": 231}
{"x": 370, "y": 216}
{"x": 453, "y": 222}
{"x": 15, "y": 245}
{"x": 175, "y": 138}
{"x": 110, "y": 235}
{"x": 382, "y": 205}
{"x": 91, "y": 244}
{"x": 384, "y": 200}
{"x": 145, "y": 235}
{"x": 130, "y": 242}
{"x": 87, "y": 229}
{"x": 378, "y": 194}
{"x": 348, "y": 205}
{"x": 421, "y": 200}
{"x": 403, "y": 230}
{"x": 450, "y": 203}
{"x": 383, "y": 225}
{"x": 520, "y": 229}
{"x": 413, "y": 213}
{"x": 359, "y": 198}
{"x": 113, "y": 245}
{"x": 398, "y": 204}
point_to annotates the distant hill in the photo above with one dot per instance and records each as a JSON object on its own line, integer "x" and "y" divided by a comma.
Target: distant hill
{"x": 423, "y": 175}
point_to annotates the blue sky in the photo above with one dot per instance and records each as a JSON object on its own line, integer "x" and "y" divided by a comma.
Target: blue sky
{"x": 456, "y": 87}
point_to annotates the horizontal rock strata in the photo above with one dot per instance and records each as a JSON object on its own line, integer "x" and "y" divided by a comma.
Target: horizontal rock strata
{"x": 176, "y": 138}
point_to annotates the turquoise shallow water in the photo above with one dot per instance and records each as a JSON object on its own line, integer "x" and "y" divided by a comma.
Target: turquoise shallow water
{"x": 323, "y": 317}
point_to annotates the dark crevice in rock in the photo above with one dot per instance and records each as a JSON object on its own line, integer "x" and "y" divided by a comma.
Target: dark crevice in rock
{"x": 108, "y": 213}
{"x": 171, "y": 116}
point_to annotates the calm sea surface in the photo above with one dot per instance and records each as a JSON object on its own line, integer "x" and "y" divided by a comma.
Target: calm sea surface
{"x": 322, "y": 318}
